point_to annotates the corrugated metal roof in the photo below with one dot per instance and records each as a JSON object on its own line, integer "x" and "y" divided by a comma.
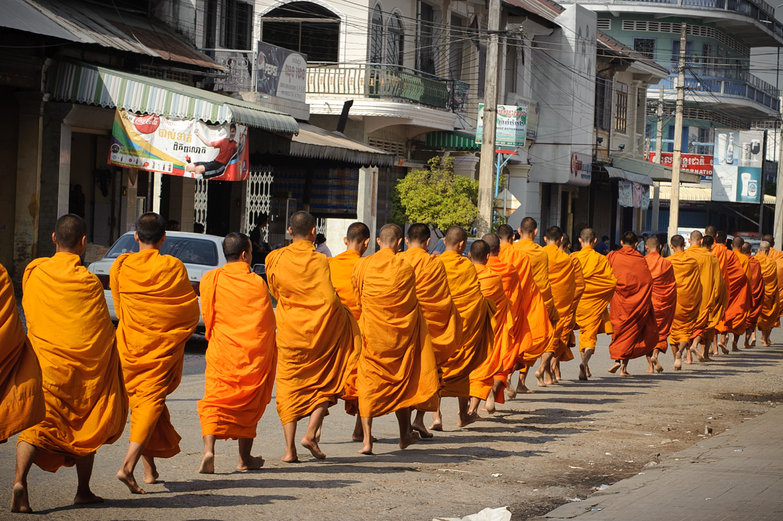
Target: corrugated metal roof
{"x": 546, "y": 9}
{"x": 20, "y": 15}
{"x": 317, "y": 143}
{"x": 443, "y": 139}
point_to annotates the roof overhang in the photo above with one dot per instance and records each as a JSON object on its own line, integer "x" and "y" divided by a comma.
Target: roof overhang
{"x": 654, "y": 171}
{"x": 317, "y": 143}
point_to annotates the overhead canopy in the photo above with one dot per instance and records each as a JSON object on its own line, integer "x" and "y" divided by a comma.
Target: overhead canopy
{"x": 317, "y": 143}
{"x": 443, "y": 139}
{"x": 618, "y": 173}
{"x": 91, "y": 85}
{"x": 654, "y": 171}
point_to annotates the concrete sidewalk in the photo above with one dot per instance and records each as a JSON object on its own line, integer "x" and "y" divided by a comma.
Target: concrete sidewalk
{"x": 736, "y": 475}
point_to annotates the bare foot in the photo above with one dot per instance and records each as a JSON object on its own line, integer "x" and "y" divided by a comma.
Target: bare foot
{"x": 422, "y": 430}
{"x": 582, "y": 372}
{"x": 511, "y": 393}
{"x": 366, "y": 450}
{"x": 658, "y": 366}
{"x": 313, "y": 447}
{"x": 466, "y": 420}
{"x": 587, "y": 371}
{"x": 650, "y": 370}
{"x": 625, "y": 373}
{"x": 409, "y": 440}
{"x": 523, "y": 389}
{"x": 254, "y": 463}
{"x": 677, "y": 364}
{"x": 19, "y": 500}
{"x": 86, "y": 498}
{"x": 290, "y": 458}
{"x": 151, "y": 477}
{"x": 489, "y": 406}
{"x": 614, "y": 368}
{"x": 436, "y": 426}
{"x": 130, "y": 482}
{"x": 207, "y": 464}
{"x": 540, "y": 378}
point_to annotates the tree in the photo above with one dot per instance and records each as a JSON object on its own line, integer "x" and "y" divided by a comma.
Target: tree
{"x": 436, "y": 196}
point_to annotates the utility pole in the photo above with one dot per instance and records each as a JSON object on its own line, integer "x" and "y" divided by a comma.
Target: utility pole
{"x": 487, "y": 162}
{"x": 674, "y": 204}
{"x": 656, "y": 213}
{"x": 778, "y": 224}
{"x": 763, "y": 184}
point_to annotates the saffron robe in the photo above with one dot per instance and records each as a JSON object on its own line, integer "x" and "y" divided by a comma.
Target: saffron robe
{"x": 440, "y": 314}
{"x": 477, "y": 335}
{"x": 664, "y": 296}
{"x": 563, "y": 284}
{"x": 397, "y": 364}
{"x": 70, "y": 330}
{"x": 689, "y": 308}
{"x": 539, "y": 265}
{"x": 631, "y": 309}
{"x": 770, "y": 307}
{"x": 580, "y": 289}
{"x": 738, "y": 305}
{"x": 318, "y": 340}
{"x": 158, "y": 312}
{"x": 757, "y": 293}
{"x": 241, "y": 356}
{"x": 592, "y": 317}
{"x": 21, "y": 396}
{"x": 712, "y": 289}
{"x": 340, "y": 270}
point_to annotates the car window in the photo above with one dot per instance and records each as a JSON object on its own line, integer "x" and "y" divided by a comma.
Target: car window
{"x": 125, "y": 244}
{"x": 190, "y": 251}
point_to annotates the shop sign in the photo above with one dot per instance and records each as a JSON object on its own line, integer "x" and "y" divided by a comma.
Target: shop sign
{"x": 737, "y": 168}
{"x": 281, "y": 72}
{"x": 510, "y": 125}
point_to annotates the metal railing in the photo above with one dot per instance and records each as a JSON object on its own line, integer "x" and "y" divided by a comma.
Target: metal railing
{"x": 373, "y": 80}
{"x": 739, "y": 84}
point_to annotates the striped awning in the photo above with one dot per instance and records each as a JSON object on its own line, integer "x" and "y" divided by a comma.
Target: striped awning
{"x": 442, "y": 139}
{"x": 91, "y": 85}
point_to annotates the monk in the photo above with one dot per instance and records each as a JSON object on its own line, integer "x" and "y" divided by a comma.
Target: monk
{"x": 397, "y": 369}
{"x": 744, "y": 260}
{"x": 541, "y": 331}
{"x": 592, "y": 316}
{"x": 631, "y": 308}
{"x": 689, "y": 313}
{"x": 770, "y": 311}
{"x": 738, "y": 306}
{"x": 563, "y": 284}
{"x": 712, "y": 297}
{"x": 757, "y": 296}
{"x": 70, "y": 330}
{"x": 241, "y": 355}
{"x": 318, "y": 339}
{"x": 777, "y": 256}
{"x": 21, "y": 396}
{"x": 440, "y": 313}
{"x": 488, "y": 379}
{"x": 579, "y": 285}
{"x": 147, "y": 284}
{"x": 357, "y": 240}
{"x": 664, "y": 298}
{"x": 477, "y": 335}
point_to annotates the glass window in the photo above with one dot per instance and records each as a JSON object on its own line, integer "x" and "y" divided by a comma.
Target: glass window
{"x": 426, "y": 55}
{"x": 125, "y": 244}
{"x": 645, "y": 46}
{"x": 191, "y": 251}
{"x": 394, "y": 41}
{"x": 621, "y": 107}
{"x": 376, "y": 35}
{"x": 603, "y": 103}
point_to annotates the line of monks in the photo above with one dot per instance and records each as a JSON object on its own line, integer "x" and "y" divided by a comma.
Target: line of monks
{"x": 395, "y": 331}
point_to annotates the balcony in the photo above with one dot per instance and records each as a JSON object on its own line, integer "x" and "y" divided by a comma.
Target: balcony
{"x": 388, "y": 82}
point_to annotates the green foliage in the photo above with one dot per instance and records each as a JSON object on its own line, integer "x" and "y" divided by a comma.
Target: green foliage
{"x": 436, "y": 196}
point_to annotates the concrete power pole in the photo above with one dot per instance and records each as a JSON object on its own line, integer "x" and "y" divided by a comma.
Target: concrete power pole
{"x": 674, "y": 204}
{"x": 778, "y": 224}
{"x": 487, "y": 163}
{"x": 658, "y": 151}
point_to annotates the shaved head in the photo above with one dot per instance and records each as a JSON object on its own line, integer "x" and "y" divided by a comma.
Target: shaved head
{"x": 629, "y": 239}
{"x": 769, "y": 238}
{"x": 708, "y": 241}
{"x": 302, "y": 224}
{"x": 389, "y": 236}
{"x": 357, "y": 232}
{"x": 565, "y": 244}
{"x": 653, "y": 243}
{"x": 720, "y": 237}
{"x": 505, "y": 233}
{"x": 696, "y": 237}
{"x": 528, "y": 227}
{"x": 479, "y": 252}
{"x": 747, "y": 249}
{"x": 234, "y": 244}
{"x": 709, "y": 230}
{"x": 455, "y": 235}
{"x": 418, "y": 233}
{"x": 737, "y": 243}
{"x": 554, "y": 233}
{"x": 150, "y": 228}
{"x": 69, "y": 231}
{"x": 678, "y": 242}
{"x": 764, "y": 247}
{"x": 587, "y": 235}
{"x": 493, "y": 241}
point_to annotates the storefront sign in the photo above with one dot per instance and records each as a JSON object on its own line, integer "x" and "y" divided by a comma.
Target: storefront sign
{"x": 239, "y": 75}
{"x": 737, "y": 169}
{"x": 581, "y": 169}
{"x": 187, "y": 148}
{"x": 694, "y": 163}
{"x": 281, "y": 72}
{"x": 510, "y": 126}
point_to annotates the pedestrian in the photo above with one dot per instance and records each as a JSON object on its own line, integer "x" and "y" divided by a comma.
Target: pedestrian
{"x": 603, "y": 247}
{"x": 713, "y": 295}
{"x": 770, "y": 308}
{"x": 738, "y": 305}
{"x": 664, "y": 298}
{"x": 320, "y": 245}
{"x": 757, "y": 295}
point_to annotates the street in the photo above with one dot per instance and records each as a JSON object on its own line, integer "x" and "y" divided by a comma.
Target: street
{"x": 537, "y": 452}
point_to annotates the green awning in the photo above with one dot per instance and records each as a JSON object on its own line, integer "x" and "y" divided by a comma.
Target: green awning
{"x": 91, "y": 85}
{"x": 442, "y": 139}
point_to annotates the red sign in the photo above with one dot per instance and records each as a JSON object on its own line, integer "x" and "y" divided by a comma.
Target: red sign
{"x": 695, "y": 163}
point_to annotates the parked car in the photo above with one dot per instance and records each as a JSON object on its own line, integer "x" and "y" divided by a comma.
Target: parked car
{"x": 440, "y": 247}
{"x": 200, "y": 253}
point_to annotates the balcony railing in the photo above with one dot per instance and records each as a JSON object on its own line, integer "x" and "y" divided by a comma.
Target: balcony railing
{"x": 739, "y": 84}
{"x": 385, "y": 81}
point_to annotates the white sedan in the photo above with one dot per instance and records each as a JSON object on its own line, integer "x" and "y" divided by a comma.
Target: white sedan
{"x": 200, "y": 253}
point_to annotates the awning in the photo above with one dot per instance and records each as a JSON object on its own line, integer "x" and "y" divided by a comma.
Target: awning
{"x": 697, "y": 193}
{"x": 317, "y": 143}
{"x": 618, "y": 173}
{"x": 91, "y": 85}
{"x": 654, "y": 171}
{"x": 442, "y": 139}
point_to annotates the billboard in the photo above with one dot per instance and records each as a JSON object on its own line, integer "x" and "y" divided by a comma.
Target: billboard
{"x": 694, "y": 163}
{"x": 281, "y": 72}
{"x": 187, "y": 148}
{"x": 239, "y": 74}
{"x": 737, "y": 166}
{"x": 510, "y": 126}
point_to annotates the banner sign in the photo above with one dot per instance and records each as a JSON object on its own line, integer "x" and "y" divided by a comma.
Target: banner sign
{"x": 694, "y": 163}
{"x": 510, "y": 126}
{"x": 281, "y": 72}
{"x": 240, "y": 71}
{"x": 187, "y": 148}
{"x": 738, "y": 161}
{"x": 633, "y": 195}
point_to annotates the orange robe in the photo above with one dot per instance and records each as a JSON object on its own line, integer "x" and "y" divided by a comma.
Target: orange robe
{"x": 779, "y": 266}
{"x": 318, "y": 340}
{"x": 770, "y": 307}
{"x": 340, "y": 269}
{"x": 664, "y": 295}
{"x": 631, "y": 309}
{"x": 535, "y": 311}
{"x": 539, "y": 264}
{"x": 689, "y": 294}
{"x": 70, "y": 330}
{"x": 477, "y": 334}
{"x": 21, "y": 396}
{"x": 712, "y": 289}
{"x": 440, "y": 314}
{"x": 592, "y": 317}
{"x": 483, "y": 377}
{"x": 563, "y": 284}
{"x": 579, "y": 279}
{"x": 241, "y": 355}
{"x": 757, "y": 293}
{"x": 158, "y": 312}
{"x": 738, "y": 305}
{"x": 397, "y": 363}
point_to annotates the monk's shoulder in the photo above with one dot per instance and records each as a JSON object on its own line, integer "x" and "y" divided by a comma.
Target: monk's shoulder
{"x": 172, "y": 265}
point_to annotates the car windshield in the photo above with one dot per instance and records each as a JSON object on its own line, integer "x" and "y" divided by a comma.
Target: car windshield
{"x": 186, "y": 249}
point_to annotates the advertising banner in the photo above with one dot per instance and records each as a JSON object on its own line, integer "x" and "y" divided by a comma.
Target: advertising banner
{"x": 694, "y": 163}
{"x": 737, "y": 169}
{"x": 239, "y": 76}
{"x": 281, "y": 72}
{"x": 510, "y": 127}
{"x": 186, "y": 148}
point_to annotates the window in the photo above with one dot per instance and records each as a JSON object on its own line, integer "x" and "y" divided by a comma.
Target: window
{"x": 707, "y": 59}
{"x": 511, "y": 66}
{"x": 426, "y": 54}
{"x": 676, "y": 54}
{"x": 304, "y": 27}
{"x": 376, "y": 35}
{"x": 603, "y": 103}
{"x": 211, "y": 24}
{"x": 237, "y": 25}
{"x": 645, "y": 47}
{"x": 456, "y": 46}
{"x": 621, "y": 107}
{"x": 394, "y": 41}
{"x": 706, "y": 140}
